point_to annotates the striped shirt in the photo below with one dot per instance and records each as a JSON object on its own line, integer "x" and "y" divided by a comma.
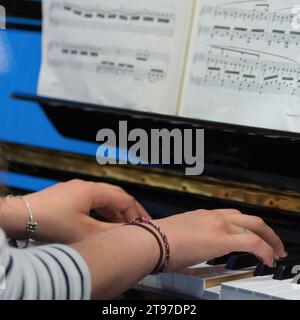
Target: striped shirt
{"x": 50, "y": 272}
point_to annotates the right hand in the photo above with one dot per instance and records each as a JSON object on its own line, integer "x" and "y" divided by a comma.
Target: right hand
{"x": 199, "y": 236}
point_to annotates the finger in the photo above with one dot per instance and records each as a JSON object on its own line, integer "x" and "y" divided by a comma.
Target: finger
{"x": 234, "y": 229}
{"x": 111, "y": 215}
{"x": 227, "y": 212}
{"x": 258, "y": 226}
{"x": 131, "y": 213}
{"x": 142, "y": 211}
{"x": 116, "y": 201}
{"x": 251, "y": 244}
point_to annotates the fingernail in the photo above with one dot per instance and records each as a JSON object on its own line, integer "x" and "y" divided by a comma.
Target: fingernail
{"x": 274, "y": 263}
{"x": 285, "y": 254}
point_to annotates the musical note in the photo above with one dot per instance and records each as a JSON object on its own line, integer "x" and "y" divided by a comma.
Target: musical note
{"x": 247, "y": 46}
{"x": 142, "y": 65}
{"x": 250, "y": 22}
{"x": 139, "y": 55}
{"x": 246, "y": 70}
{"x": 151, "y": 75}
{"x": 118, "y": 19}
{"x": 253, "y": 34}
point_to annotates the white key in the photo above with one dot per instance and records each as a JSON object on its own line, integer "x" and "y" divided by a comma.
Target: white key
{"x": 194, "y": 281}
{"x": 248, "y": 293}
{"x": 233, "y": 290}
{"x": 165, "y": 281}
{"x": 274, "y": 288}
{"x": 213, "y": 293}
{"x": 140, "y": 283}
{"x": 293, "y": 293}
{"x": 150, "y": 281}
{"x": 185, "y": 284}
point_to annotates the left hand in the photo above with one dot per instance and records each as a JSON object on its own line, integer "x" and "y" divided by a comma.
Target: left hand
{"x": 62, "y": 211}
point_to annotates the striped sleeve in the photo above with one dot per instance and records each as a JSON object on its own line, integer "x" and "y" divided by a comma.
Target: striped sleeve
{"x": 52, "y": 272}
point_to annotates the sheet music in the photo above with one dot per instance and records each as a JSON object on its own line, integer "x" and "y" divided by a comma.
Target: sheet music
{"x": 244, "y": 64}
{"x": 121, "y": 53}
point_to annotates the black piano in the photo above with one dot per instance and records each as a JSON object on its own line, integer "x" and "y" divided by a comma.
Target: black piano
{"x": 253, "y": 170}
{"x": 249, "y": 169}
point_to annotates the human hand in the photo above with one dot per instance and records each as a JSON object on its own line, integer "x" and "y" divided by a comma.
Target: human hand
{"x": 199, "y": 236}
{"x": 62, "y": 211}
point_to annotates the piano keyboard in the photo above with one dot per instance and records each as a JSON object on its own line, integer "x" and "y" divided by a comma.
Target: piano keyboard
{"x": 225, "y": 281}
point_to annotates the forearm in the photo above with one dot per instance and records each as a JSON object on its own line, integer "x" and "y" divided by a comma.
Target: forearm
{"x": 118, "y": 259}
{"x": 53, "y": 272}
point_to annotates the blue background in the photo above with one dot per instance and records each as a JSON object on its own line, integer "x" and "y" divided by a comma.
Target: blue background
{"x": 25, "y": 122}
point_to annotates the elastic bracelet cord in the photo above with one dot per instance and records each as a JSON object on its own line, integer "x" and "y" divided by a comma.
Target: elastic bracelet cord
{"x": 161, "y": 249}
{"x": 164, "y": 263}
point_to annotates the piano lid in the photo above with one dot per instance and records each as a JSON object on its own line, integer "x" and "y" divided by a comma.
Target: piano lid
{"x": 261, "y": 157}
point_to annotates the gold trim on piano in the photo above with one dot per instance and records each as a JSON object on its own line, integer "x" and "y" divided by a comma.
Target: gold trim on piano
{"x": 72, "y": 163}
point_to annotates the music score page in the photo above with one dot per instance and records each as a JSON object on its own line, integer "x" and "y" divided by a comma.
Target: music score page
{"x": 128, "y": 54}
{"x": 244, "y": 64}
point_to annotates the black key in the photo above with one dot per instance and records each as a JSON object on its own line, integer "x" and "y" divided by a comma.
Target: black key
{"x": 263, "y": 270}
{"x": 242, "y": 260}
{"x": 219, "y": 261}
{"x": 282, "y": 269}
{"x": 284, "y": 272}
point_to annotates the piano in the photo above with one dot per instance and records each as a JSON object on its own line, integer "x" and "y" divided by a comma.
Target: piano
{"x": 253, "y": 170}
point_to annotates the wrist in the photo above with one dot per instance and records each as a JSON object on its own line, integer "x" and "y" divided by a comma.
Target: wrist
{"x": 148, "y": 244}
{"x": 161, "y": 238}
{"x": 174, "y": 245}
{"x": 13, "y": 218}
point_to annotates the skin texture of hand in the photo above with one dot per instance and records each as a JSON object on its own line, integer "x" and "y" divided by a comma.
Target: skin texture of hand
{"x": 201, "y": 235}
{"x": 194, "y": 237}
{"x": 62, "y": 211}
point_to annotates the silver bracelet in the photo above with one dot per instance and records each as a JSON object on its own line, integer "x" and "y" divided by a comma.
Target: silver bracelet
{"x": 31, "y": 225}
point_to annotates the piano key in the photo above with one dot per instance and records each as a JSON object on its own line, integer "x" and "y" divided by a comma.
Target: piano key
{"x": 263, "y": 270}
{"x": 259, "y": 288}
{"x": 165, "y": 281}
{"x": 283, "y": 272}
{"x": 235, "y": 290}
{"x": 213, "y": 293}
{"x": 150, "y": 281}
{"x": 242, "y": 260}
{"x": 248, "y": 293}
{"x": 199, "y": 279}
{"x": 278, "y": 288}
{"x": 195, "y": 280}
{"x": 170, "y": 281}
{"x": 182, "y": 282}
{"x": 140, "y": 283}
{"x": 292, "y": 294}
{"x": 219, "y": 261}
{"x": 280, "y": 272}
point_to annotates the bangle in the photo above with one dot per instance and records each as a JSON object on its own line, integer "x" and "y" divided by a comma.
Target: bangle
{"x": 161, "y": 254}
{"x": 165, "y": 262}
{"x": 31, "y": 225}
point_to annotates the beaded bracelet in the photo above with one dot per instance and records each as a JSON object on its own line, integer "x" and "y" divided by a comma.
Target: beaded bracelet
{"x": 164, "y": 263}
